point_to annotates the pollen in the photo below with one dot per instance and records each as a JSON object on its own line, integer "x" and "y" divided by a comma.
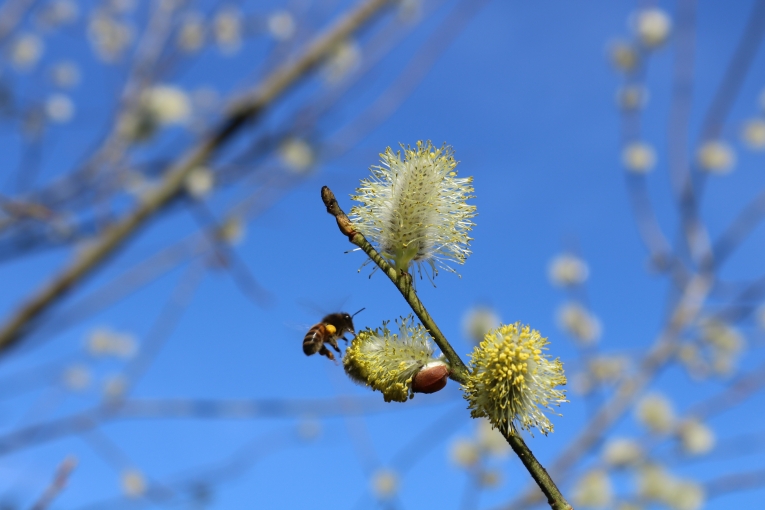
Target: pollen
{"x": 331, "y": 329}
{"x": 389, "y": 362}
{"x": 512, "y": 382}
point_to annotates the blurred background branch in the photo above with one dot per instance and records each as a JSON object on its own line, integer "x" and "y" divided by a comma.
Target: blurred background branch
{"x": 158, "y": 234}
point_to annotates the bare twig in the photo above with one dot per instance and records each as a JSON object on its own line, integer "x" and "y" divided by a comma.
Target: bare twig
{"x": 744, "y": 480}
{"x": 215, "y": 409}
{"x": 733, "y": 78}
{"x": 743, "y": 225}
{"x": 416, "y": 70}
{"x": 165, "y": 323}
{"x": 696, "y": 237}
{"x": 735, "y": 73}
{"x": 742, "y": 388}
{"x": 58, "y": 484}
{"x": 194, "y": 484}
{"x": 11, "y": 14}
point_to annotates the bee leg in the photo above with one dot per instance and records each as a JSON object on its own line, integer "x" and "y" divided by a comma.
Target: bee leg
{"x": 346, "y": 340}
{"x": 326, "y": 352}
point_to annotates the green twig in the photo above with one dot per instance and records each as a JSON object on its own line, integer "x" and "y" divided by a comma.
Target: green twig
{"x": 459, "y": 372}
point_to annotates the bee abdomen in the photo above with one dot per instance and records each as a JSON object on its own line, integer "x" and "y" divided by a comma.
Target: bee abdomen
{"x": 314, "y": 339}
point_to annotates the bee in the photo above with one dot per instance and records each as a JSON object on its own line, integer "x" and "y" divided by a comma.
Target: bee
{"x": 331, "y": 327}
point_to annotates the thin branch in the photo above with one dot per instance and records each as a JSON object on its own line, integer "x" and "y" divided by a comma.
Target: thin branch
{"x": 214, "y": 409}
{"x": 133, "y": 279}
{"x": 236, "y": 267}
{"x": 195, "y": 483}
{"x": 736, "y": 447}
{"x": 647, "y": 222}
{"x": 417, "y": 448}
{"x": 58, "y": 484}
{"x": 745, "y": 480}
{"x": 12, "y": 14}
{"x": 165, "y": 323}
{"x": 223, "y": 409}
{"x": 736, "y": 72}
{"x": 696, "y": 236}
{"x": 743, "y": 388}
{"x": 685, "y": 311}
{"x": 413, "y": 74}
{"x": 733, "y": 78}
{"x": 743, "y": 225}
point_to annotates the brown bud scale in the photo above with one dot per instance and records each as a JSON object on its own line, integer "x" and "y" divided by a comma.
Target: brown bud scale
{"x": 431, "y": 379}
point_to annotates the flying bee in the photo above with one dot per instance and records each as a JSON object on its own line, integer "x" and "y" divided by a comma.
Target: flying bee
{"x": 331, "y": 327}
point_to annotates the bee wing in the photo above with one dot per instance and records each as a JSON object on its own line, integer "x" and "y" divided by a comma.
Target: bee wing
{"x": 301, "y": 327}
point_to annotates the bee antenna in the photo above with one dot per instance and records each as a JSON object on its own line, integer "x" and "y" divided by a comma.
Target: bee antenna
{"x": 355, "y": 314}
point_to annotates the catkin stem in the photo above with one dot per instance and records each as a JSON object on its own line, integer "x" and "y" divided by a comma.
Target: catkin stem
{"x": 555, "y": 498}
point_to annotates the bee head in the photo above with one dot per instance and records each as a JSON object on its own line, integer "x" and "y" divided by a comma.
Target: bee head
{"x": 349, "y": 321}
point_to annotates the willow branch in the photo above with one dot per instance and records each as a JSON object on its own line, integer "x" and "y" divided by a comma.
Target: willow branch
{"x": 744, "y": 387}
{"x": 57, "y": 485}
{"x": 188, "y": 488}
{"x": 11, "y": 14}
{"x": 192, "y": 408}
{"x": 743, "y": 480}
{"x": 413, "y": 74}
{"x": 661, "y": 352}
{"x": 735, "y": 74}
{"x": 459, "y": 372}
{"x": 402, "y": 281}
{"x": 742, "y": 226}
{"x": 725, "y": 95}
{"x": 246, "y": 110}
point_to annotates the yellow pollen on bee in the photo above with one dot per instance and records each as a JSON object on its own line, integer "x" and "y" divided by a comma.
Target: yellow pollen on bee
{"x": 332, "y": 329}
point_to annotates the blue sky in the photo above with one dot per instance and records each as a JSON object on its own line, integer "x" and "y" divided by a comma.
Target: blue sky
{"x": 525, "y": 95}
